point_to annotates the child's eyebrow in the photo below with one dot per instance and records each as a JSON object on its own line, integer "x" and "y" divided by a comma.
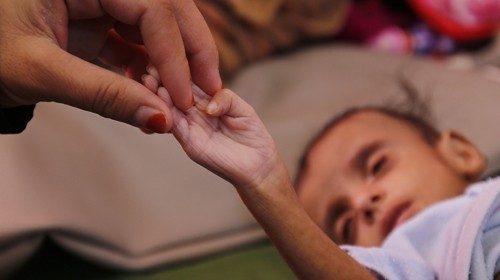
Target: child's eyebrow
{"x": 358, "y": 161}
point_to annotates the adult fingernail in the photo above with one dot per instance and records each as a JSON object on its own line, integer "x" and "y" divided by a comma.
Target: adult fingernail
{"x": 157, "y": 123}
{"x": 151, "y": 119}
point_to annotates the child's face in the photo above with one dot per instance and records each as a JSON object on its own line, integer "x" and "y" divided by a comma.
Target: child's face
{"x": 371, "y": 173}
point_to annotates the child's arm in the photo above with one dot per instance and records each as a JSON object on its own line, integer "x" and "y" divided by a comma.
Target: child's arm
{"x": 308, "y": 251}
{"x": 225, "y": 135}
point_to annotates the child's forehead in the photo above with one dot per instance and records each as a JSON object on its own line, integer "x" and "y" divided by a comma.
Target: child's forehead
{"x": 364, "y": 129}
{"x": 338, "y": 143}
{"x": 368, "y": 122}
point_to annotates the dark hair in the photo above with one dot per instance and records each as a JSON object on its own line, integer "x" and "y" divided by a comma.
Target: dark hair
{"x": 412, "y": 112}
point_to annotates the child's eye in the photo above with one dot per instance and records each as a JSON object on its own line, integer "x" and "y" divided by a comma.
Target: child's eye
{"x": 378, "y": 166}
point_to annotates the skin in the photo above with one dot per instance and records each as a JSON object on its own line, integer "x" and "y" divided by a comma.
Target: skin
{"x": 47, "y": 47}
{"x": 225, "y": 135}
{"x": 348, "y": 193}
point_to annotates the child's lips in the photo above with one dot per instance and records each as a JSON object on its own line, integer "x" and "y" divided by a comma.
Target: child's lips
{"x": 395, "y": 216}
{"x": 404, "y": 216}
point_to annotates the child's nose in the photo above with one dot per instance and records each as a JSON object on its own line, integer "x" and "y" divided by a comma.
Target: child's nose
{"x": 367, "y": 196}
{"x": 369, "y": 207}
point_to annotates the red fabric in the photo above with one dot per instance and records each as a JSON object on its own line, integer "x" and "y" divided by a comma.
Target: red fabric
{"x": 450, "y": 27}
{"x": 368, "y": 18}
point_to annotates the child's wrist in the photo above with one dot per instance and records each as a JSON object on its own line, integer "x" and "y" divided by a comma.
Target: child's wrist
{"x": 277, "y": 181}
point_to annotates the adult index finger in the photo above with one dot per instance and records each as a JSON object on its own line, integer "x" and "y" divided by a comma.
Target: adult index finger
{"x": 200, "y": 48}
{"x": 162, "y": 39}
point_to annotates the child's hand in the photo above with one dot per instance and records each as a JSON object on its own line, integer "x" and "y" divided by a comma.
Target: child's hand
{"x": 224, "y": 134}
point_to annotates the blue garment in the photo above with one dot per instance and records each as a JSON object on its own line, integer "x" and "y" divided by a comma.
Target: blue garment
{"x": 455, "y": 239}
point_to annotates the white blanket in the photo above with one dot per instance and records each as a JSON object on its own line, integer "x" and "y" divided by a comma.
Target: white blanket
{"x": 455, "y": 239}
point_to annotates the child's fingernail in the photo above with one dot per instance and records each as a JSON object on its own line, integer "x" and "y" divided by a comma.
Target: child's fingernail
{"x": 153, "y": 71}
{"x": 151, "y": 119}
{"x": 149, "y": 69}
{"x": 212, "y": 108}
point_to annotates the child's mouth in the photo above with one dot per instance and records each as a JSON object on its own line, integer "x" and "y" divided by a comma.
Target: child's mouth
{"x": 396, "y": 216}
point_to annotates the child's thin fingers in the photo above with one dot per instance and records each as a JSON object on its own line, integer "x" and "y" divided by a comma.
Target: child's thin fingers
{"x": 153, "y": 72}
{"x": 150, "y": 83}
{"x": 226, "y": 102}
{"x": 201, "y": 99}
{"x": 165, "y": 96}
{"x": 178, "y": 117}
{"x": 199, "y": 94}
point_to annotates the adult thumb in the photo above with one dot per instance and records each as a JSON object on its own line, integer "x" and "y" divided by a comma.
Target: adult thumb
{"x": 65, "y": 78}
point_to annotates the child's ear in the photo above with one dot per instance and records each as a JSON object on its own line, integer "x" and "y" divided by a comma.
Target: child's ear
{"x": 461, "y": 155}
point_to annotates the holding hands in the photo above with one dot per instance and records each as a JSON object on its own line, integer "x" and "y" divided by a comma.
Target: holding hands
{"x": 46, "y": 47}
{"x": 222, "y": 133}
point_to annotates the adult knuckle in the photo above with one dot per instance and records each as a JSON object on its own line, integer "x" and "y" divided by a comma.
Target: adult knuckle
{"x": 95, "y": 100}
{"x": 108, "y": 99}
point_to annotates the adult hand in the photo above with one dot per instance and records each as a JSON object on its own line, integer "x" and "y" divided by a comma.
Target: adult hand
{"x": 45, "y": 46}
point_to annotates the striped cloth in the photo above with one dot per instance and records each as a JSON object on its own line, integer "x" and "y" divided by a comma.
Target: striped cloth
{"x": 246, "y": 30}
